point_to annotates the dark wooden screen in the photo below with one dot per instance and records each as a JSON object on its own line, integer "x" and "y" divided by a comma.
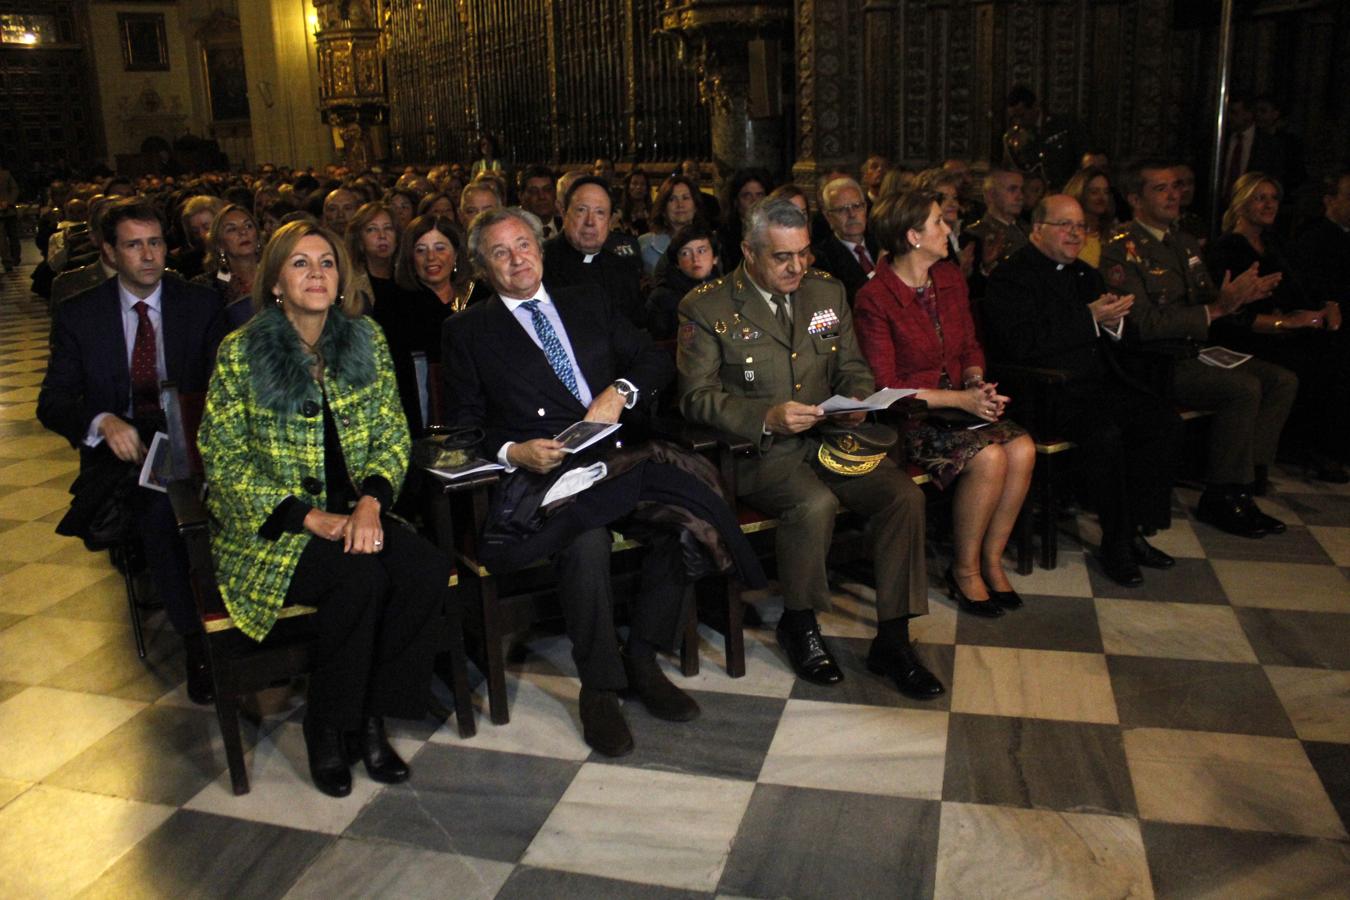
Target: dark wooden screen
{"x": 558, "y": 81}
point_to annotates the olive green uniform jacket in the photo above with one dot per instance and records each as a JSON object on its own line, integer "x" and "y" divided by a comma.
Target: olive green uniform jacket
{"x": 1168, "y": 279}
{"x": 261, "y": 441}
{"x": 736, "y": 361}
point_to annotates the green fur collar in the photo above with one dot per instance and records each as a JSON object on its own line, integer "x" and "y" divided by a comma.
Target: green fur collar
{"x": 280, "y": 366}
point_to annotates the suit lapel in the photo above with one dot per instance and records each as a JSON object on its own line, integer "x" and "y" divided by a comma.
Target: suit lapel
{"x": 112, "y": 342}
{"x": 583, "y": 344}
{"x": 528, "y": 364}
{"x": 173, "y": 317}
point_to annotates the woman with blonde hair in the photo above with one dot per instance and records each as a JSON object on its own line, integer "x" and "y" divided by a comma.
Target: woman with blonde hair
{"x": 1290, "y": 327}
{"x": 372, "y": 242}
{"x": 305, "y": 448}
{"x": 231, "y": 262}
{"x": 195, "y": 220}
{"x": 1091, "y": 187}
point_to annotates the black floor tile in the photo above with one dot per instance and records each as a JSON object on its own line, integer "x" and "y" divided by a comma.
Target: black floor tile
{"x": 1189, "y": 581}
{"x": 1297, "y": 545}
{"x": 729, "y": 739}
{"x": 803, "y": 843}
{"x": 1295, "y": 638}
{"x": 475, "y": 802}
{"x": 529, "y": 883}
{"x": 1197, "y": 695}
{"x": 1320, "y": 509}
{"x": 1043, "y": 623}
{"x": 863, "y": 687}
{"x": 1202, "y": 861}
{"x": 163, "y": 754}
{"x": 195, "y": 854}
{"x": 1037, "y": 764}
{"x": 1332, "y": 762}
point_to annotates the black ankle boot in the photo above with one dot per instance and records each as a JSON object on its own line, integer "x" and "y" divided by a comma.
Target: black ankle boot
{"x": 327, "y": 762}
{"x": 383, "y": 763}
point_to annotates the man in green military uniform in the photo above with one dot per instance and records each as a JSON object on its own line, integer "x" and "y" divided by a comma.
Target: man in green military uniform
{"x": 1174, "y": 298}
{"x": 759, "y": 350}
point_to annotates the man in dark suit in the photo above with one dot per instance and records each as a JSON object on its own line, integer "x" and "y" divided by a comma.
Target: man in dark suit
{"x": 111, "y": 348}
{"x": 524, "y": 365}
{"x": 849, "y": 253}
{"x": 581, "y": 254}
{"x": 1046, "y": 307}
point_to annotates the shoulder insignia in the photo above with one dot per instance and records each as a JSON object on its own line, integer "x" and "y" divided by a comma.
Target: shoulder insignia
{"x": 1115, "y": 276}
{"x": 1120, "y": 234}
{"x": 622, "y": 250}
{"x": 708, "y": 286}
{"x": 688, "y": 333}
{"x": 821, "y": 274}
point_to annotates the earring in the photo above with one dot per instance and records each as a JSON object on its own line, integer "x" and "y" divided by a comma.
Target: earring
{"x": 338, "y": 301}
{"x": 915, "y": 246}
{"x": 276, "y": 295}
{"x": 222, "y": 263}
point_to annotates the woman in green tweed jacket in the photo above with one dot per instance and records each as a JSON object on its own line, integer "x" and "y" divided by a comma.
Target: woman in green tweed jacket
{"x": 305, "y": 444}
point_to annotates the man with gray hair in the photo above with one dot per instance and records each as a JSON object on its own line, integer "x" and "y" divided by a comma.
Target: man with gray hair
{"x": 849, "y": 253}
{"x": 524, "y": 365}
{"x": 759, "y": 350}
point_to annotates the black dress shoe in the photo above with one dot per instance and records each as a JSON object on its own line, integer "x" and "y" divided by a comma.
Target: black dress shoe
{"x": 1268, "y": 524}
{"x": 1006, "y": 599}
{"x": 1226, "y": 511}
{"x": 602, "y": 723}
{"x": 809, "y": 656}
{"x": 200, "y": 688}
{"x": 989, "y": 609}
{"x": 327, "y": 761}
{"x": 649, "y": 684}
{"x": 382, "y": 761}
{"x": 902, "y": 666}
{"x": 1119, "y": 565}
{"x": 1145, "y": 554}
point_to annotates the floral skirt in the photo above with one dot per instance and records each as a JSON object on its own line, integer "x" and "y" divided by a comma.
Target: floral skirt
{"x": 943, "y": 452}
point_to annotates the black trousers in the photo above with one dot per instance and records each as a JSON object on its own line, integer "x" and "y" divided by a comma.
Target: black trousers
{"x": 587, "y": 597}
{"x": 379, "y": 621}
{"x": 1129, "y": 444}
{"x": 166, "y": 558}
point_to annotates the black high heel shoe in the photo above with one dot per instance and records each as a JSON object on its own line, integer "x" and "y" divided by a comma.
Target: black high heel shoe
{"x": 327, "y": 760}
{"x": 382, "y": 761}
{"x": 989, "y": 609}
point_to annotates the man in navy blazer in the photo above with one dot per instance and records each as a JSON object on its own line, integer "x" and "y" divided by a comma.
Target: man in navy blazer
{"x": 88, "y": 397}
{"x": 524, "y": 365}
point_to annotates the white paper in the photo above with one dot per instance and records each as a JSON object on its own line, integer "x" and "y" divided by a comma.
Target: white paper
{"x": 580, "y": 435}
{"x": 880, "y": 400}
{"x": 472, "y": 467}
{"x": 574, "y": 482}
{"x": 156, "y": 470}
{"x": 1223, "y": 358}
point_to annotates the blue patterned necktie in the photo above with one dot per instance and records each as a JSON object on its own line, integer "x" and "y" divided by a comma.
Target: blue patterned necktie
{"x": 553, "y": 348}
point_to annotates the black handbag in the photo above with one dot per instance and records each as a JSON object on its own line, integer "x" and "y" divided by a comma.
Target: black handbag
{"x": 447, "y": 448}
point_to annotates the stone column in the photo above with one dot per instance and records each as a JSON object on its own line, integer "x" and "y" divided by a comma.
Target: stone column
{"x": 352, "y": 95}
{"x": 722, "y": 42}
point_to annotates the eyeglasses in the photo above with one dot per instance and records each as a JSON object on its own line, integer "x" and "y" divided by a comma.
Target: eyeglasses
{"x": 847, "y": 210}
{"x": 1069, "y": 226}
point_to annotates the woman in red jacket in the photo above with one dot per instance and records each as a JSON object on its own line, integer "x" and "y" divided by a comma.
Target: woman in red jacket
{"x": 914, "y": 325}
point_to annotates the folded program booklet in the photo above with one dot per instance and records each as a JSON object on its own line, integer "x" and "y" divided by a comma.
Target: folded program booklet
{"x": 580, "y": 435}
{"x": 1223, "y": 358}
{"x": 880, "y": 400}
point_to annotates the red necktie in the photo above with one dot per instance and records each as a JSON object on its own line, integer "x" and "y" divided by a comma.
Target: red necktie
{"x": 863, "y": 259}
{"x": 144, "y": 369}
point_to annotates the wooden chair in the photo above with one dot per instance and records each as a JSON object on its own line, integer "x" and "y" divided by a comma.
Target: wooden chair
{"x": 507, "y": 604}
{"x": 239, "y": 665}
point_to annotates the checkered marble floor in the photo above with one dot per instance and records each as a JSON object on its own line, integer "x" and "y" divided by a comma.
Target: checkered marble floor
{"x": 1187, "y": 738}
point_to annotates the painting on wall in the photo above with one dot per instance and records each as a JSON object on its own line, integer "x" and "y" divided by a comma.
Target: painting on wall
{"x": 144, "y": 48}
{"x": 226, "y": 83}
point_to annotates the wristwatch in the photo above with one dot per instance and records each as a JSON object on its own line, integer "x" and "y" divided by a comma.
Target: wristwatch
{"x": 627, "y": 391}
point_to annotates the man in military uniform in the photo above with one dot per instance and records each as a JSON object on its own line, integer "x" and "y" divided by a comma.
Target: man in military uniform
{"x": 759, "y": 350}
{"x": 583, "y": 255}
{"x": 999, "y": 233}
{"x": 1174, "y": 298}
